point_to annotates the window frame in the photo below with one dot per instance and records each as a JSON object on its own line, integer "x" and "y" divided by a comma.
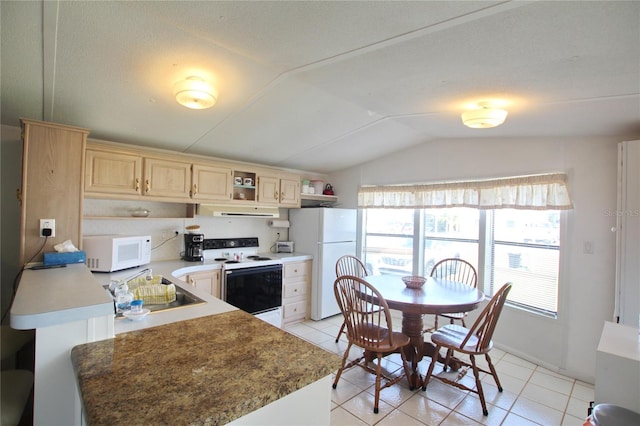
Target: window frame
{"x": 486, "y": 248}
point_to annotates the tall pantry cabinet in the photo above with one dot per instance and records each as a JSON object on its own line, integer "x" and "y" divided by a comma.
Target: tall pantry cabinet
{"x": 52, "y": 187}
{"x": 628, "y": 235}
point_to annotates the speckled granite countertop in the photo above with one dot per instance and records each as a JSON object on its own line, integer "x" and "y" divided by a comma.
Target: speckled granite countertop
{"x": 205, "y": 371}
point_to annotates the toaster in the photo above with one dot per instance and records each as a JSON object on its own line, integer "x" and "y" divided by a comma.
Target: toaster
{"x": 284, "y": 246}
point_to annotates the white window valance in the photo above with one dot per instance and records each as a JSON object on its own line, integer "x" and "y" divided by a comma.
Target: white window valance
{"x": 538, "y": 192}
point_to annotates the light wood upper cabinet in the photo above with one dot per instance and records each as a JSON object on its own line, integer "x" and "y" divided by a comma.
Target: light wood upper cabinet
{"x": 211, "y": 183}
{"x": 113, "y": 173}
{"x": 280, "y": 190}
{"x": 53, "y": 159}
{"x": 290, "y": 191}
{"x": 118, "y": 171}
{"x": 166, "y": 179}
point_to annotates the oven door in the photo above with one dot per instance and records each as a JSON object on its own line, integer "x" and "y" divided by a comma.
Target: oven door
{"x": 255, "y": 289}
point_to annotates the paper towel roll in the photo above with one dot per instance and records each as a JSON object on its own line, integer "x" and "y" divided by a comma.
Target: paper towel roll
{"x": 279, "y": 223}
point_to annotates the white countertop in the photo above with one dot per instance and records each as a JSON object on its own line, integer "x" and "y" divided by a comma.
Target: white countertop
{"x": 172, "y": 269}
{"x": 620, "y": 340}
{"x": 48, "y": 297}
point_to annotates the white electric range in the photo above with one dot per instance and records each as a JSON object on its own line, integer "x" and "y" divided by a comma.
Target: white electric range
{"x": 250, "y": 281}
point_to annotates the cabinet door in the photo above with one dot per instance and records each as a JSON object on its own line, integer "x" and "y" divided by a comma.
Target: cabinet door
{"x": 211, "y": 183}
{"x": 167, "y": 179}
{"x": 208, "y": 281}
{"x": 268, "y": 190}
{"x": 112, "y": 173}
{"x": 52, "y": 168}
{"x": 290, "y": 191}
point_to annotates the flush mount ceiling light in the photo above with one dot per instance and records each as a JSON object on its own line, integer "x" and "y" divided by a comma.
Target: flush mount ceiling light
{"x": 195, "y": 93}
{"x": 484, "y": 117}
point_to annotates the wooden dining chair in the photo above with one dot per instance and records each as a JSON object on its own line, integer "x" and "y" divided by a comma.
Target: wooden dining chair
{"x": 470, "y": 341}
{"x": 458, "y": 270}
{"x": 349, "y": 265}
{"x": 369, "y": 327}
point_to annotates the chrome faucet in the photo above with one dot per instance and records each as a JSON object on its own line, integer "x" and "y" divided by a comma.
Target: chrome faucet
{"x": 115, "y": 284}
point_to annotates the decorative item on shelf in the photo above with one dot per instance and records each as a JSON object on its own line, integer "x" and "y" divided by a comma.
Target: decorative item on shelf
{"x": 318, "y": 187}
{"x": 414, "y": 281}
{"x": 305, "y": 186}
{"x": 237, "y": 180}
{"x": 484, "y": 117}
{"x": 248, "y": 181}
{"x": 328, "y": 190}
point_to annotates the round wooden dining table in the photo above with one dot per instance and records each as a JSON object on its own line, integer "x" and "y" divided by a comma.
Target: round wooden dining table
{"x": 436, "y": 296}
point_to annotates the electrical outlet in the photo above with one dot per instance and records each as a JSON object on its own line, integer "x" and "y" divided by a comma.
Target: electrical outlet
{"x": 48, "y": 224}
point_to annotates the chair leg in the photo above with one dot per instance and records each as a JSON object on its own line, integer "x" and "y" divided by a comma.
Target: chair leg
{"x": 476, "y": 374}
{"x": 435, "y": 324}
{"x": 494, "y": 373}
{"x": 341, "y": 369}
{"x": 378, "y": 380}
{"x": 434, "y": 359}
{"x": 447, "y": 359}
{"x": 341, "y": 331}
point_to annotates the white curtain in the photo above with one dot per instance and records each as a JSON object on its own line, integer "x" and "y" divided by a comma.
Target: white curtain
{"x": 538, "y": 192}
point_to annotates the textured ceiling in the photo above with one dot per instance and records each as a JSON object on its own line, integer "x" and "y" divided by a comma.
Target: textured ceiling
{"x": 321, "y": 86}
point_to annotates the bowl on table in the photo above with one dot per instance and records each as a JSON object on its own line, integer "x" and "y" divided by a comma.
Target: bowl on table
{"x": 414, "y": 281}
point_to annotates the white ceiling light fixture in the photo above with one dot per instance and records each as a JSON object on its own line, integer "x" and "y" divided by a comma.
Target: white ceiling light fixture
{"x": 195, "y": 93}
{"x": 484, "y": 117}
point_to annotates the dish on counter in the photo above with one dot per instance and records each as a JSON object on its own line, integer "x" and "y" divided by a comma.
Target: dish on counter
{"x": 136, "y": 316}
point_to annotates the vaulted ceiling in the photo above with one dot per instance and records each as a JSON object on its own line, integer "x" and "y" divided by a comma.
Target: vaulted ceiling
{"x": 321, "y": 86}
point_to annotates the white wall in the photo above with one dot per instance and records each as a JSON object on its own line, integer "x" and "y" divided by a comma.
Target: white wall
{"x": 568, "y": 344}
{"x": 162, "y": 229}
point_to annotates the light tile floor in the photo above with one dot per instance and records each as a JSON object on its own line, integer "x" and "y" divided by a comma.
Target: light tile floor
{"x": 532, "y": 395}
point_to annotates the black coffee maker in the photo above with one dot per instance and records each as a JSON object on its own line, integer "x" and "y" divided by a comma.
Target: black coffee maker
{"x": 193, "y": 247}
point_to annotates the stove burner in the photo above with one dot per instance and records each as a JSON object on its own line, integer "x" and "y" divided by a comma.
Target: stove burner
{"x": 220, "y": 258}
{"x": 258, "y": 258}
{"x": 231, "y": 261}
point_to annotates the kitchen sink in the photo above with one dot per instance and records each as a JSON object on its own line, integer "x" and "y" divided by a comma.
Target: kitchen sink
{"x": 184, "y": 299}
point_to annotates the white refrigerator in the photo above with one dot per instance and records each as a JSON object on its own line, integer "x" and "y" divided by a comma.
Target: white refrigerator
{"x": 327, "y": 234}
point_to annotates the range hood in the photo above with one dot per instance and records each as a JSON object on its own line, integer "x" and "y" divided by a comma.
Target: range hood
{"x": 237, "y": 211}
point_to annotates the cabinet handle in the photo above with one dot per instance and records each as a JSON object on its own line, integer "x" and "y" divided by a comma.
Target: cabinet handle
{"x": 282, "y": 196}
{"x": 147, "y": 185}
{"x": 195, "y": 189}
{"x": 295, "y": 290}
{"x": 275, "y": 195}
{"x": 137, "y": 184}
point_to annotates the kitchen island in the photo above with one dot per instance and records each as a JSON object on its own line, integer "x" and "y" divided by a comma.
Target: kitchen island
{"x": 208, "y": 370}
{"x": 68, "y": 307}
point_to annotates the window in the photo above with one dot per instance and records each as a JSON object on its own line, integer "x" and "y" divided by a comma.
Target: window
{"x": 520, "y": 246}
{"x": 450, "y": 233}
{"x": 388, "y": 242}
{"x": 525, "y": 250}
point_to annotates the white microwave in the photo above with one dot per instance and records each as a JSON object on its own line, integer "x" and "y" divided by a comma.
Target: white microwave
{"x": 108, "y": 253}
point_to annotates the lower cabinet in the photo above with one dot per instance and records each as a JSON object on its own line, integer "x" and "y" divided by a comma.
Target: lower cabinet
{"x": 296, "y": 286}
{"x": 208, "y": 281}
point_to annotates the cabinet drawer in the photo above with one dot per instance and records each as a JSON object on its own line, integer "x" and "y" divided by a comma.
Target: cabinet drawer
{"x": 294, "y": 311}
{"x": 296, "y": 270}
{"x": 294, "y": 290}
